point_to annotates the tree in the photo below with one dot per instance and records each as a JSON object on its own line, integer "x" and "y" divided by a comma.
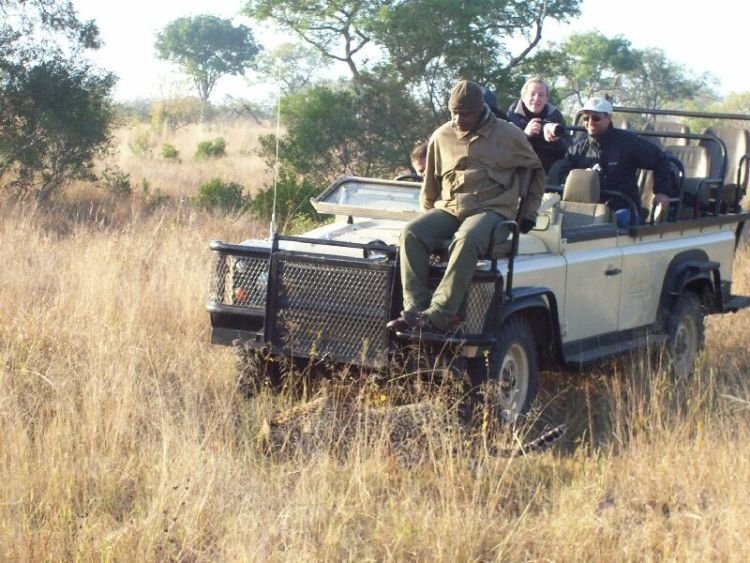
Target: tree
{"x": 60, "y": 120}
{"x": 336, "y": 129}
{"x": 293, "y": 65}
{"x": 207, "y": 48}
{"x": 55, "y": 107}
{"x": 336, "y": 28}
{"x": 427, "y": 43}
{"x": 585, "y": 65}
{"x": 591, "y": 64}
{"x": 658, "y": 82}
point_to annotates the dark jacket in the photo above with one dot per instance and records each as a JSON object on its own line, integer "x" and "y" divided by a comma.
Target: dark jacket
{"x": 548, "y": 153}
{"x": 620, "y": 154}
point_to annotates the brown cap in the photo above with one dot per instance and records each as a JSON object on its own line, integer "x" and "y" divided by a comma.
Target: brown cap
{"x": 466, "y": 97}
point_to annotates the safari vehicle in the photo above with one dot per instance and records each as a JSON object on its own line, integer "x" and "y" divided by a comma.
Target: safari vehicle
{"x": 576, "y": 289}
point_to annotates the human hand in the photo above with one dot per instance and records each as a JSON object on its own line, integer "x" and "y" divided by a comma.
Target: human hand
{"x": 533, "y": 127}
{"x": 526, "y": 225}
{"x": 549, "y": 132}
{"x": 660, "y": 205}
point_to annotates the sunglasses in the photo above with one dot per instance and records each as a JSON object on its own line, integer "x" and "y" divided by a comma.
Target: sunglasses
{"x": 594, "y": 118}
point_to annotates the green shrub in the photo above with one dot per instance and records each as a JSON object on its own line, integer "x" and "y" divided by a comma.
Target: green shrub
{"x": 216, "y": 194}
{"x": 169, "y": 152}
{"x": 211, "y": 149}
{"x": 154, "y": 199}
{"x": 116, "y": 182}
{"x": 292, "y": 202}
{"x": 142, "y": 145}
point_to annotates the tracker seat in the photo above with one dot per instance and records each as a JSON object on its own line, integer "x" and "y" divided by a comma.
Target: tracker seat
{"x": 580, "y": 204}
{"x": 733, "y": 171}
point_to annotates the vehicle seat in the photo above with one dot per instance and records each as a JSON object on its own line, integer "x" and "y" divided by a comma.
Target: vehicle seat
{"x": 735, "y": 173}
{"x": 580, "y": 204}
{"x": 667, "y": 127}
{"x": 697, "y": 183}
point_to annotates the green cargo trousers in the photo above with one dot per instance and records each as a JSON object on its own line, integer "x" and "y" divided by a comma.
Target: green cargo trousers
{"x": 427, "y": 233}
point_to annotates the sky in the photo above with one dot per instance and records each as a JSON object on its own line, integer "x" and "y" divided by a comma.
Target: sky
{"x": 702, "y": 40}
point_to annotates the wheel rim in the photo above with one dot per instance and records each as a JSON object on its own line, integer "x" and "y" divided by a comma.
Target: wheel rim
{"x": 684, "y": 348}
{"x": 513, "y": 383}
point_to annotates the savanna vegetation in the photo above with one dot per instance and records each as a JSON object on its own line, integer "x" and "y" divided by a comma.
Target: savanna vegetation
{"x": 124, "y": 435}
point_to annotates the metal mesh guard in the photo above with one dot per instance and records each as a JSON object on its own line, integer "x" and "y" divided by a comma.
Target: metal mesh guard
{"x": 333, "y": 310}
{"x": 239, "y": 280}
{"x": 478, "y": 300}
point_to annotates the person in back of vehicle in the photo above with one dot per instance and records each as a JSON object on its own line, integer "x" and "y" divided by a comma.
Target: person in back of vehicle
{"x": 542, "y": 122}
{"x": 618, "y": 154}
{"x": 471, "y": 183}
{"x": 419, "y": 158}
{"x": 491, "y": 100}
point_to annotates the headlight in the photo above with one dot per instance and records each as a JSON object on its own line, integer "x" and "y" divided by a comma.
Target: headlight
{"x": 375, "y": 253}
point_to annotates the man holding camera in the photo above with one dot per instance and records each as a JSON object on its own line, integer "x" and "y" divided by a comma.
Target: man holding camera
{"x": 542, "y": 122}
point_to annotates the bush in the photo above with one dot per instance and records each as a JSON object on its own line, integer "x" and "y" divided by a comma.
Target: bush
{"x": 154, "y": 199}
{"x": 116, "y": 182}
{"x": 216, "y": 194}
{"x": 169, "y": 152}
{"x": 211, "y": 149}
{"x": 142, "y": 145}
{"x": 292, "y": 201}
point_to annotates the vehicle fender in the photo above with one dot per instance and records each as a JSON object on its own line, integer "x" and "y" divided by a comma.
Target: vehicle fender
{"x": 690, "y": 270}
{"x": 539, "y": 304}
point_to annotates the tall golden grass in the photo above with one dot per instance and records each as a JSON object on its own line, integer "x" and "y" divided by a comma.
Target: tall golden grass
{"x": 123, "y": 436}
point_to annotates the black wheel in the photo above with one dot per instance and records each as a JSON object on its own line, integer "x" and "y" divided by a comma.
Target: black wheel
{"x": 685, "y": 335}
{"x": 256, "y": 372}
{"x": 505, "y": 379}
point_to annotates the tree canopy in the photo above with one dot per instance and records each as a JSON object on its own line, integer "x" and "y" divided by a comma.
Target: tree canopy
{"x": 207, "y": 48}
{"x": 55, "y": 107}
{"x": 425, "y": 44}
{"x": 590, "y": 64}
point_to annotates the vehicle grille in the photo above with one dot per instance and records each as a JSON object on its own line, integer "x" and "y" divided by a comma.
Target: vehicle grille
{"x": 239, "y": 280}
{"x": 334, "y": 309}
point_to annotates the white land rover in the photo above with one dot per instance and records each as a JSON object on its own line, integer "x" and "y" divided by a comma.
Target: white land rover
{"x": 577, "y": 289}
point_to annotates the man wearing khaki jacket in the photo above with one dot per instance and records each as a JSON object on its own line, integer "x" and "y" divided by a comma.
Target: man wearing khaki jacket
{"x": 470, "y": 183}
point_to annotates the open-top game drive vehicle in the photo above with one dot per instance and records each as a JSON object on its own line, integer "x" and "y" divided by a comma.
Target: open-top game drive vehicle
{"x": 577, "y": 289}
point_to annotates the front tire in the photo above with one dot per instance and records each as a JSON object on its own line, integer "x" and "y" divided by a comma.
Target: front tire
{"x": 685, "y": 335}
{"x": 506, "y": 377}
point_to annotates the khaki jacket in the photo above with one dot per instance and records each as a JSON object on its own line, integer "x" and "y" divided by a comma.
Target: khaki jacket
{"x": 481, "y": 170}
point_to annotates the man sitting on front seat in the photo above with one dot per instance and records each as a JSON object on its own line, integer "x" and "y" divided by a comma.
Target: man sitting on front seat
{"x": 618, "y": 154}
{"x": 470, "y": 184}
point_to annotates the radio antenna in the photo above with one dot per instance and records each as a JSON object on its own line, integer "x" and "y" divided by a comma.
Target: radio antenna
{"x": 276, "y": 163}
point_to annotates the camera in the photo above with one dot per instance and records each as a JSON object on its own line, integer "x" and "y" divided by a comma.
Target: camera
{"x": 558, "y": 130}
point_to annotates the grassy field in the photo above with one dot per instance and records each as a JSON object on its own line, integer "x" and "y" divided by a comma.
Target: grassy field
{"x": 123, "y": 436}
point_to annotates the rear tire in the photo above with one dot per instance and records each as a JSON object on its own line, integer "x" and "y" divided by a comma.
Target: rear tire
{"x": 505, "y": 379}
{"x": 685, "y": 335}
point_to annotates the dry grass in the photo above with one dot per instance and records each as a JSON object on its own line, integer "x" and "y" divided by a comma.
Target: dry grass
{"x": 123, "y": 436}
{"x": 176, "y": 177}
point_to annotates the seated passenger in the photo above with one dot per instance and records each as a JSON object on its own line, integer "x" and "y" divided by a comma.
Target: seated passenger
{"x": 618, "y": 154}
{"x": 472, "y": 182}
{"x": 419, "y": 158}
{"x": 542, "y": 122}
{"x": 491, "y": 100}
